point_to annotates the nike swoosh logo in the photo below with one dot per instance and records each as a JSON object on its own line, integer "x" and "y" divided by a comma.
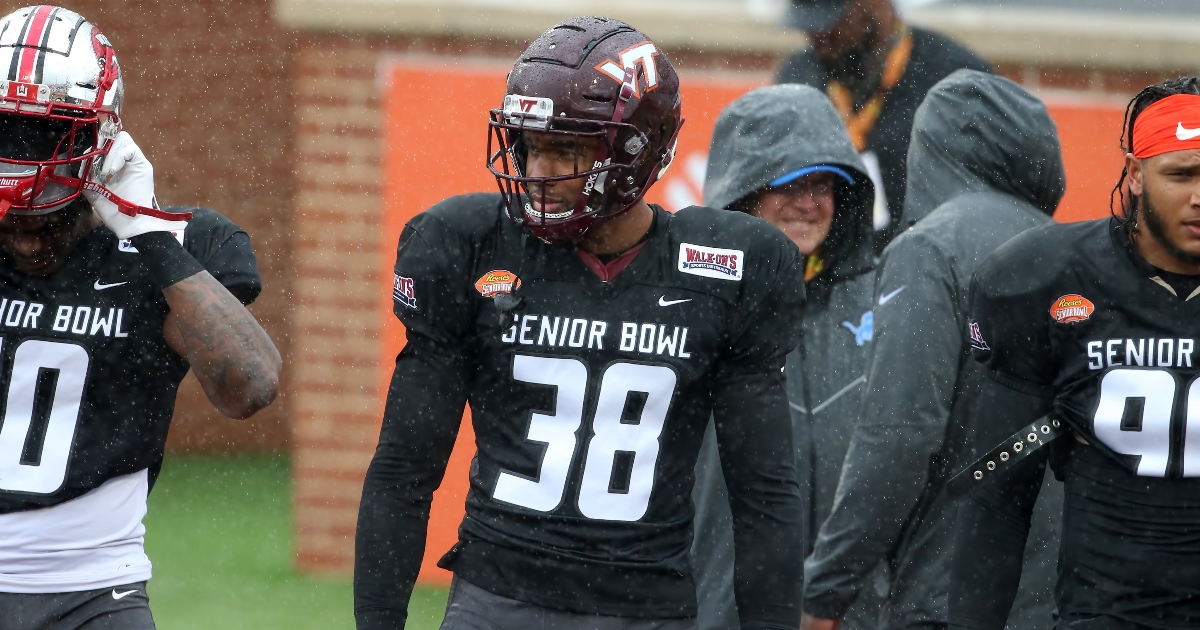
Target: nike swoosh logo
{"x": 663, "y": 301}
{"x": 101, "y": 287}
{"x": 117, "y": 595}
{"x": 1183, "y": 133}
{"x": 884, "y": 299}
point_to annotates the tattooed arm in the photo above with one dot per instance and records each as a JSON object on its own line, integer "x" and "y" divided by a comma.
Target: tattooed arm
{"x": 232, "y": 356}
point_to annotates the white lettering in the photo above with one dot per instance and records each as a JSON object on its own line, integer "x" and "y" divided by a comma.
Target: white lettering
{"x": 543, "y": 337}
{"x": 511, "y": 335}
{"x": 99, "y": 322}
{"x": 1095, "y": 359}
{"x": 1145, "y": 352}
{"x": 1135, "y": 354}
{"x": 1112, "y": 351}
{"x": 62, "y": 319}
{"x": 31, "y": 316}
{"x": 665, "y": 342}
{"x": 683, "y": 342}
{"x": 628, "y": 336}
{"x": 526, "y": 327}
{"x": 119, "y": 333}
{"x": 1164, "y": 357}
{"x": 595, "y": 337}
{"x": 80, "y": 327}
{"x": 579, "y": 325}
{"x": 14, "y": 313}
{"x": 646, "y": 338}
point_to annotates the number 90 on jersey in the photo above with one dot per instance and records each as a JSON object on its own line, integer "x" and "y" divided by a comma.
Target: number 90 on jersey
{"x": 1135, "y": 416}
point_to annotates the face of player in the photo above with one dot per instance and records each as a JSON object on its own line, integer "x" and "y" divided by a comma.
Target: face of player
{"x": 1168, "y": 186}
{"x": 41, "y": 245}
{"x": 803, "y": 209}
{"x": 852, "y": 35}
{"x": 554, "y": 155}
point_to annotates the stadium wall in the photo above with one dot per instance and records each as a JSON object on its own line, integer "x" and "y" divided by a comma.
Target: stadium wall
{"x": 208, "y": 100}
{"x": 347, "y": 205}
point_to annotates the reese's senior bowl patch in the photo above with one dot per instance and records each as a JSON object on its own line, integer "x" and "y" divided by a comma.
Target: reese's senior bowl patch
{"x": 711, "y": 262}
{"x": 1071, "y": 308}
{"x": 403, "y": 292}
{"x": 497, "y": 281}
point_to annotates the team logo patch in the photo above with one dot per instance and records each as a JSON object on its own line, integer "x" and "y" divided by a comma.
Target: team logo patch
{"x": 977, "y": 341}
{"x": 865, "y": 330}
{"x": 1071, "y": 308}
{"x": 498, "y": 281}
{"x": 643, "y": 55}
{"x": 528, "y": 111}
{"x": 16, "y": 90}
{"x": 402, "y": 291}
{"x": 711, "y": 262}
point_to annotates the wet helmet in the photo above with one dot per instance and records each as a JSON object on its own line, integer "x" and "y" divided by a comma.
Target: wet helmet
{"x": 595, "y": 78}
{"x": 60, "y": 102}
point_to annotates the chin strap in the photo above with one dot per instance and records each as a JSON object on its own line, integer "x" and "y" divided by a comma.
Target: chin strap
{"x": 667, "y": 161}
{"x": 627, "y": 90}
{"x": 131, "y": 209}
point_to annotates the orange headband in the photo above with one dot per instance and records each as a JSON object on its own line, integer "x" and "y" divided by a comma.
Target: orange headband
{"x": 1172, "y": 124}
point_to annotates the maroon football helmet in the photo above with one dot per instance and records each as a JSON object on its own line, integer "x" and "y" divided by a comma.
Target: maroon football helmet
{"x": 588, "y": 77}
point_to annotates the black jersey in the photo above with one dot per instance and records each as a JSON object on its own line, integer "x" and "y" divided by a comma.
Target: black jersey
{"x": 87, "y": 378}
{"x": 1074, "y": 314}
{"x": 589, "y": 399}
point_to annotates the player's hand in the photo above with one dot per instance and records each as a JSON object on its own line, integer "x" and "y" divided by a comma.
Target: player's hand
{"x": 808, "y": 622}
{"x": 121, "y": 190}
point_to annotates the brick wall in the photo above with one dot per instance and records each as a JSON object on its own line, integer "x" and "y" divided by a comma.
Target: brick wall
{"x": 207, "y": 98}
{"x": 335, "y": 391}
{"x": 335, "y": 306}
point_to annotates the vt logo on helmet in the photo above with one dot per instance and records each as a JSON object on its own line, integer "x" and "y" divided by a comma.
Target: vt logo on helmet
{"x": 60, "y": 103}
{"x": 588, "y": 123}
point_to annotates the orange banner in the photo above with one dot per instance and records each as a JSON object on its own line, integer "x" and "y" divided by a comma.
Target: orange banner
{"x": 435, "y": 146}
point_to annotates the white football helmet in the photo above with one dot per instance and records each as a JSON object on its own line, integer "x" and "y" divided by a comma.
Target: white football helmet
{"x": 60, "y": 104}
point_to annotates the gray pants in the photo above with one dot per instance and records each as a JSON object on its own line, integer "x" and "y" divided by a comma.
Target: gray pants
{"x": 713, "y": 553}
{"x": 121, "y": 608}
{"x": 472, "y": 608}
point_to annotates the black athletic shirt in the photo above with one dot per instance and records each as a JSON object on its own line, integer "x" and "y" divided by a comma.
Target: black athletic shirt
{"x": 1070, "y": 314}
{"x": 87, "y": 378}
{"x": 589, "y": 400}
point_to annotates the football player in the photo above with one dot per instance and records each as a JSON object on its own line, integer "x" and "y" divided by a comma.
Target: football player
{"x": 106, "y": 301}
{"x": 1096, "y": 325}
{"x": 593, "y": 336}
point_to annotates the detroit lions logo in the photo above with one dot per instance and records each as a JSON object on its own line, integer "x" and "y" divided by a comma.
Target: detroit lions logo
{"x": 865, "y": 330}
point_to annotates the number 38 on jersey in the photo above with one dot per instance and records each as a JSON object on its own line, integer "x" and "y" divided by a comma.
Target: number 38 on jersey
{"x": 613, "y": 440}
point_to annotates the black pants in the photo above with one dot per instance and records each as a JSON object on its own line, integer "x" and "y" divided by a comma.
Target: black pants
{"x": 120, "y": 608}
{"x": 472, "y": 608}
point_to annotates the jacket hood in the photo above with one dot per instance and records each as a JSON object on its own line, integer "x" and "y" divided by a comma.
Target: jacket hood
{"x": 980, "y": 133}
{"x": 777, "y": 130}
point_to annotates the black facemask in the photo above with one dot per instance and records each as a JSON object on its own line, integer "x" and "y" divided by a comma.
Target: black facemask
{"x": 35, "y": 138}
